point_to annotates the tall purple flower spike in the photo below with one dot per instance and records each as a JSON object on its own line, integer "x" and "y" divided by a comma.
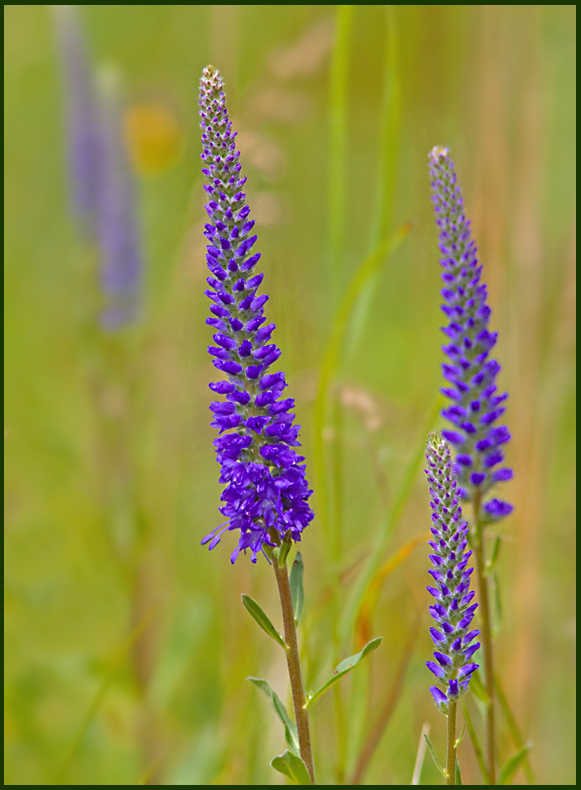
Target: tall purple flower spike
{"x": 471, "y": 373}
{"x": 453, "y": 609}
{"x": 266, "y": 490}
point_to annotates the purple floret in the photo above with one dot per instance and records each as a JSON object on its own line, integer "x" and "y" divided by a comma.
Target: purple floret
{"x": 266, "y": 494}
{"x": 472, "y": 374}
{"x": 453, "y": 613}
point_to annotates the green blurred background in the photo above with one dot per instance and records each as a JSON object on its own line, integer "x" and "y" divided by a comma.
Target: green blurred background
{"x": 127, "y": 647}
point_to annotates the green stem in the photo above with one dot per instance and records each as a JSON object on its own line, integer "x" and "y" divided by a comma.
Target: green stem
{"x": 451, "y": 745}
{"x": 294, "y": 667}
{"x": 486, "y": 637}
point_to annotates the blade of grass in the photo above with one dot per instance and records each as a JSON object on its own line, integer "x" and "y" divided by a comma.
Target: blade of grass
{"x": 419, "y": 764}
{"x": 119, "y": 656}
{"x": 475, "y": 743}
{"x": 387, "y": 525}
{"x": 514, "y": 730}
{"x": 388, "y": 157}
{"x": 338, "y": 144}
{"x": 330, "y": 364}
{"x": 363, "y": 625}
{"x": 386, "y": 713}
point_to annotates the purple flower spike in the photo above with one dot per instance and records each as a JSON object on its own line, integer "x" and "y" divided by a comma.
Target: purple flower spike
{"x": 453, "y": 614}
{"x": 470, "y": 370}
{"x": 266, "y": 495}
{"x": 81, "y": 117}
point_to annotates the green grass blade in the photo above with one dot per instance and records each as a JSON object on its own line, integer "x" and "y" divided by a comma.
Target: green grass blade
{"x": 387, "y": 526}
{"x": 330, "y": 364}
{"x": 512, "y": 765}
{"x": 514, "y": 730}
{"x": 338, "y": 144}
{"x": 476, "y": 745}
{"x": 388, "y": 159}
{"x": 117, "y": 660}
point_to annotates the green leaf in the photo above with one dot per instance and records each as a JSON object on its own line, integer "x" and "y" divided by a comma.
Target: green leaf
{"x": 510, "y": 768}
{"x": 262, "y": 619}
{"x": 458, "y": 774}
{"x": 497, "y": 602}
{"x": 434, "y": 758}
{"x": 282, "y": 552}
{"x": 477, "y": 688}
{"x": 343, "y": 668}
{"x": 460, "y": 738}
{"x": 494, "y": 555}
{"x": 296, "y": 586}
{"x": 290, "y": 729}
{"x": 513, "y": 729}
{"x": 292, "y": 766}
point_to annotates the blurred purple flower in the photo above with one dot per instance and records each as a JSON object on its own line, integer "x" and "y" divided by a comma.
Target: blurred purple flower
{"x": 476, "y": 406}
{"x": 102, "y": 187}
{"x": 81, "y": 118}
{"x": 266, "y": 494}
{"x": 453, "y": 609}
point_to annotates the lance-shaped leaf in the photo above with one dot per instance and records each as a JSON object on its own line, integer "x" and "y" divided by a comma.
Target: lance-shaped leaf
{"x": 262, "y": 619}
{"x": 290, "y": 729}
{"x": 343, "y": 668}
{"x": 296, "y": 586}
{"x": 458, "y": 774}
{"x": 513, "y": 764}
{"x": 292, "y": 766}
{"x": 434, "y": 758}
{"x": 493, "y": 556}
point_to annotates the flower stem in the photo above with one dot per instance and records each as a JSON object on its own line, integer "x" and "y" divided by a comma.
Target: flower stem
{"x": 486, "y": 636}
{"x": 294, "y": 667}
{"x": 451, "y": 745}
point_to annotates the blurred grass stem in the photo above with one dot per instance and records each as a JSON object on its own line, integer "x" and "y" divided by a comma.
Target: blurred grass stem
{"x": 388, "y": 709}
{"x": 486, "y": 635}
{"x": 294, "y": 667}
{"x": 338, "y": 145}
{"x": 387, "y": 169}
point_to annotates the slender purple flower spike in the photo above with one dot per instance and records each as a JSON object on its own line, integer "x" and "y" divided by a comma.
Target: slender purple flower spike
{"x": 118, "y": 234}
{"x": 81, "y": 118}
{"x": 266, "y": 492}
{"x": 453, "y": 609}
{"x": 471, "y": 373}
{"x": 102, "y": 188}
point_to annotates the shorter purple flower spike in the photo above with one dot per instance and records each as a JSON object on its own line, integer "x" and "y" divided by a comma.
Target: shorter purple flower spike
{"x": 453, "y": 613}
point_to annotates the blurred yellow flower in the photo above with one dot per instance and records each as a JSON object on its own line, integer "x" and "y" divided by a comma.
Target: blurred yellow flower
{"x": 153, "y": 137}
